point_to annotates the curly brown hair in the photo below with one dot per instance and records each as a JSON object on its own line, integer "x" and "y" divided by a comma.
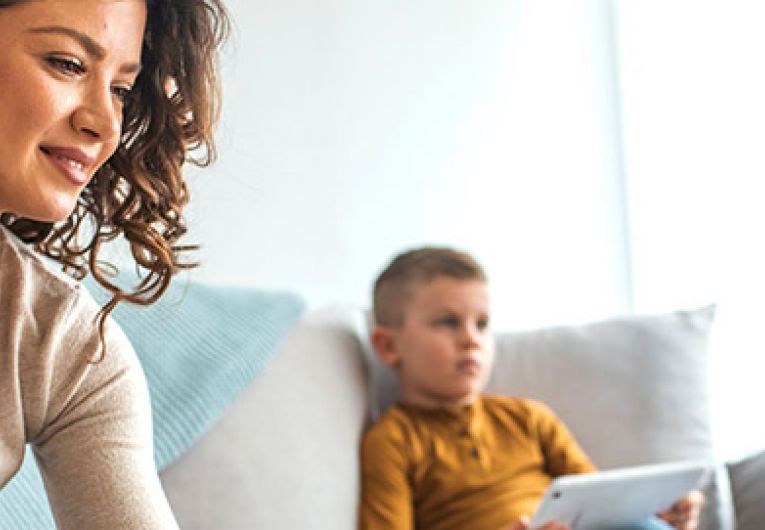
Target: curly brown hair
{"x": 140, "y": 192}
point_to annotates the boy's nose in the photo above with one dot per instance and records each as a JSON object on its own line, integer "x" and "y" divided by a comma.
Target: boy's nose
{"x": 472, "y": 336}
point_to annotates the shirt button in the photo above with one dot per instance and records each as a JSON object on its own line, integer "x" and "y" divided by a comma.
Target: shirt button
{"x": 474, "y": 453}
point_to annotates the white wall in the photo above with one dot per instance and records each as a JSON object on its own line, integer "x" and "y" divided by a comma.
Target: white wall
{"x": 694, "y": 130}
{"x": 353, "y": 130}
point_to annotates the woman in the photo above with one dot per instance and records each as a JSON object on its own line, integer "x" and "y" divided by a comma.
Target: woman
{"x": 101, "y": 103}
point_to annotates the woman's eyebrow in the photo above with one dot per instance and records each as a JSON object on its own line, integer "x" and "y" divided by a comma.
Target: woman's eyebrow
{"x": 90, "y": 45}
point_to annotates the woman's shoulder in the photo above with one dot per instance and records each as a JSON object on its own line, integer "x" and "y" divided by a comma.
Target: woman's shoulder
{"x": 49, "y": 321}
{"x": 50, "y": 311}
{"x": 35, "y": 278}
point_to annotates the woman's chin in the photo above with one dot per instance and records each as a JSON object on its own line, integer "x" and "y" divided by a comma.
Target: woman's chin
{"x": 49, "y": 212}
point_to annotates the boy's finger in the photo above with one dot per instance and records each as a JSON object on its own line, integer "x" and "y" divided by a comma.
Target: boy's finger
{"x": 521, "y": 524}
{"x": 685, "y": 506}
{"x": 696, "y": 498}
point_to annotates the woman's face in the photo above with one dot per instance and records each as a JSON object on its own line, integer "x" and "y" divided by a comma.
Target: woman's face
{"x": 67, "y": 65}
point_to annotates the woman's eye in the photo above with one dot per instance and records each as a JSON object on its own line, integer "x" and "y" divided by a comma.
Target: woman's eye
{"x": 122, "y": 92}
{"x": 67, "y": 66}
{"x": 482, "y": 325}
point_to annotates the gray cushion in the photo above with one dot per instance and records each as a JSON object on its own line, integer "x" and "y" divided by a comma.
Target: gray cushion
{"x": 747, "y": 480}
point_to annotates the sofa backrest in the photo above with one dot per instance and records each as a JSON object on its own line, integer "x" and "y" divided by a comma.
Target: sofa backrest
{"x": 286, "y": 453}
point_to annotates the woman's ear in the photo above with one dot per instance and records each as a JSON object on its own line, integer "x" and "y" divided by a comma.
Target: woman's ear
{"x": 383, "y": 339}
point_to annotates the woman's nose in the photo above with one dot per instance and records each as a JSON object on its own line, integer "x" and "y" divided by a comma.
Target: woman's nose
{"x": 97, "y": 116}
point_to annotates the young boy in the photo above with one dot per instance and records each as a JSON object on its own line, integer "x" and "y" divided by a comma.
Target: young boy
{"x": 447, "y": 457}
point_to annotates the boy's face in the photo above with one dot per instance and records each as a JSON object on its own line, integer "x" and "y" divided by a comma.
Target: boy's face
{"x": 444, "y": 350}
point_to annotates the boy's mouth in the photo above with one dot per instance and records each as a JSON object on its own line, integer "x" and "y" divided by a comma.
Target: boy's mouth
{"x": 469, "y": 365}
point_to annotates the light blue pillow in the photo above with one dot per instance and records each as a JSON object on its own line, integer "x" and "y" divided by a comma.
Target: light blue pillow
{"x": 200, "y": 346}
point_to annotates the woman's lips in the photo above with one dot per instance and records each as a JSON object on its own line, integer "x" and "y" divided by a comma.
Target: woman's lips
{"x": 71, "y": 162}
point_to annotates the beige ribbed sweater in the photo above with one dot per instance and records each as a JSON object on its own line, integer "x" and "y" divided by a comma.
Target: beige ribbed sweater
{"x": 89, "y": 424}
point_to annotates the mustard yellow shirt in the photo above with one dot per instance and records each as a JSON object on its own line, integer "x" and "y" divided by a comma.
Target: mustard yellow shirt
{"x": 476, "y": 468}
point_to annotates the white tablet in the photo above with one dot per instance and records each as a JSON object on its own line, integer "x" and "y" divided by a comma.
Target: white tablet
{"x": 608, "y": 499}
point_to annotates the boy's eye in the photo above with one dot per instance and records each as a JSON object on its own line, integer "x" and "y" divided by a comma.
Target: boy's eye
{"x": 482, "y": 324}
{"x": 66, "y": 66}
{"x": 449, "y": 321}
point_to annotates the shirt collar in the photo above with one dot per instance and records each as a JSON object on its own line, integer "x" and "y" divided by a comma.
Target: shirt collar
{"x": 468, "y": 416}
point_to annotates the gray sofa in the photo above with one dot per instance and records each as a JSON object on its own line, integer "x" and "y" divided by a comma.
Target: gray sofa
{"x": 285, "y": 454}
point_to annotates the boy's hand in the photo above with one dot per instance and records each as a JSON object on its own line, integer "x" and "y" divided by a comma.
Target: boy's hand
{"x": 523, "y": 524}
{"x": 684, "y": 514}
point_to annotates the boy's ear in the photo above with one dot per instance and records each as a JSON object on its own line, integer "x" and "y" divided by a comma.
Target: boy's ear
{"x": 383, "y": 338}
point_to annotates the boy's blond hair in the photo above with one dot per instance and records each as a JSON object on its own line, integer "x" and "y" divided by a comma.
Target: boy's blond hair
{"x": 393, "y": 286}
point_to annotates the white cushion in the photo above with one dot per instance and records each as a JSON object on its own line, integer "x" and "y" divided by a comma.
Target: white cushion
{"x": 633, "y": 390}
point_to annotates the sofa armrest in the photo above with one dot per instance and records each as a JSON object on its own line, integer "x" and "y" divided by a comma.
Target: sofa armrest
{"x": 747, "y": 480}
